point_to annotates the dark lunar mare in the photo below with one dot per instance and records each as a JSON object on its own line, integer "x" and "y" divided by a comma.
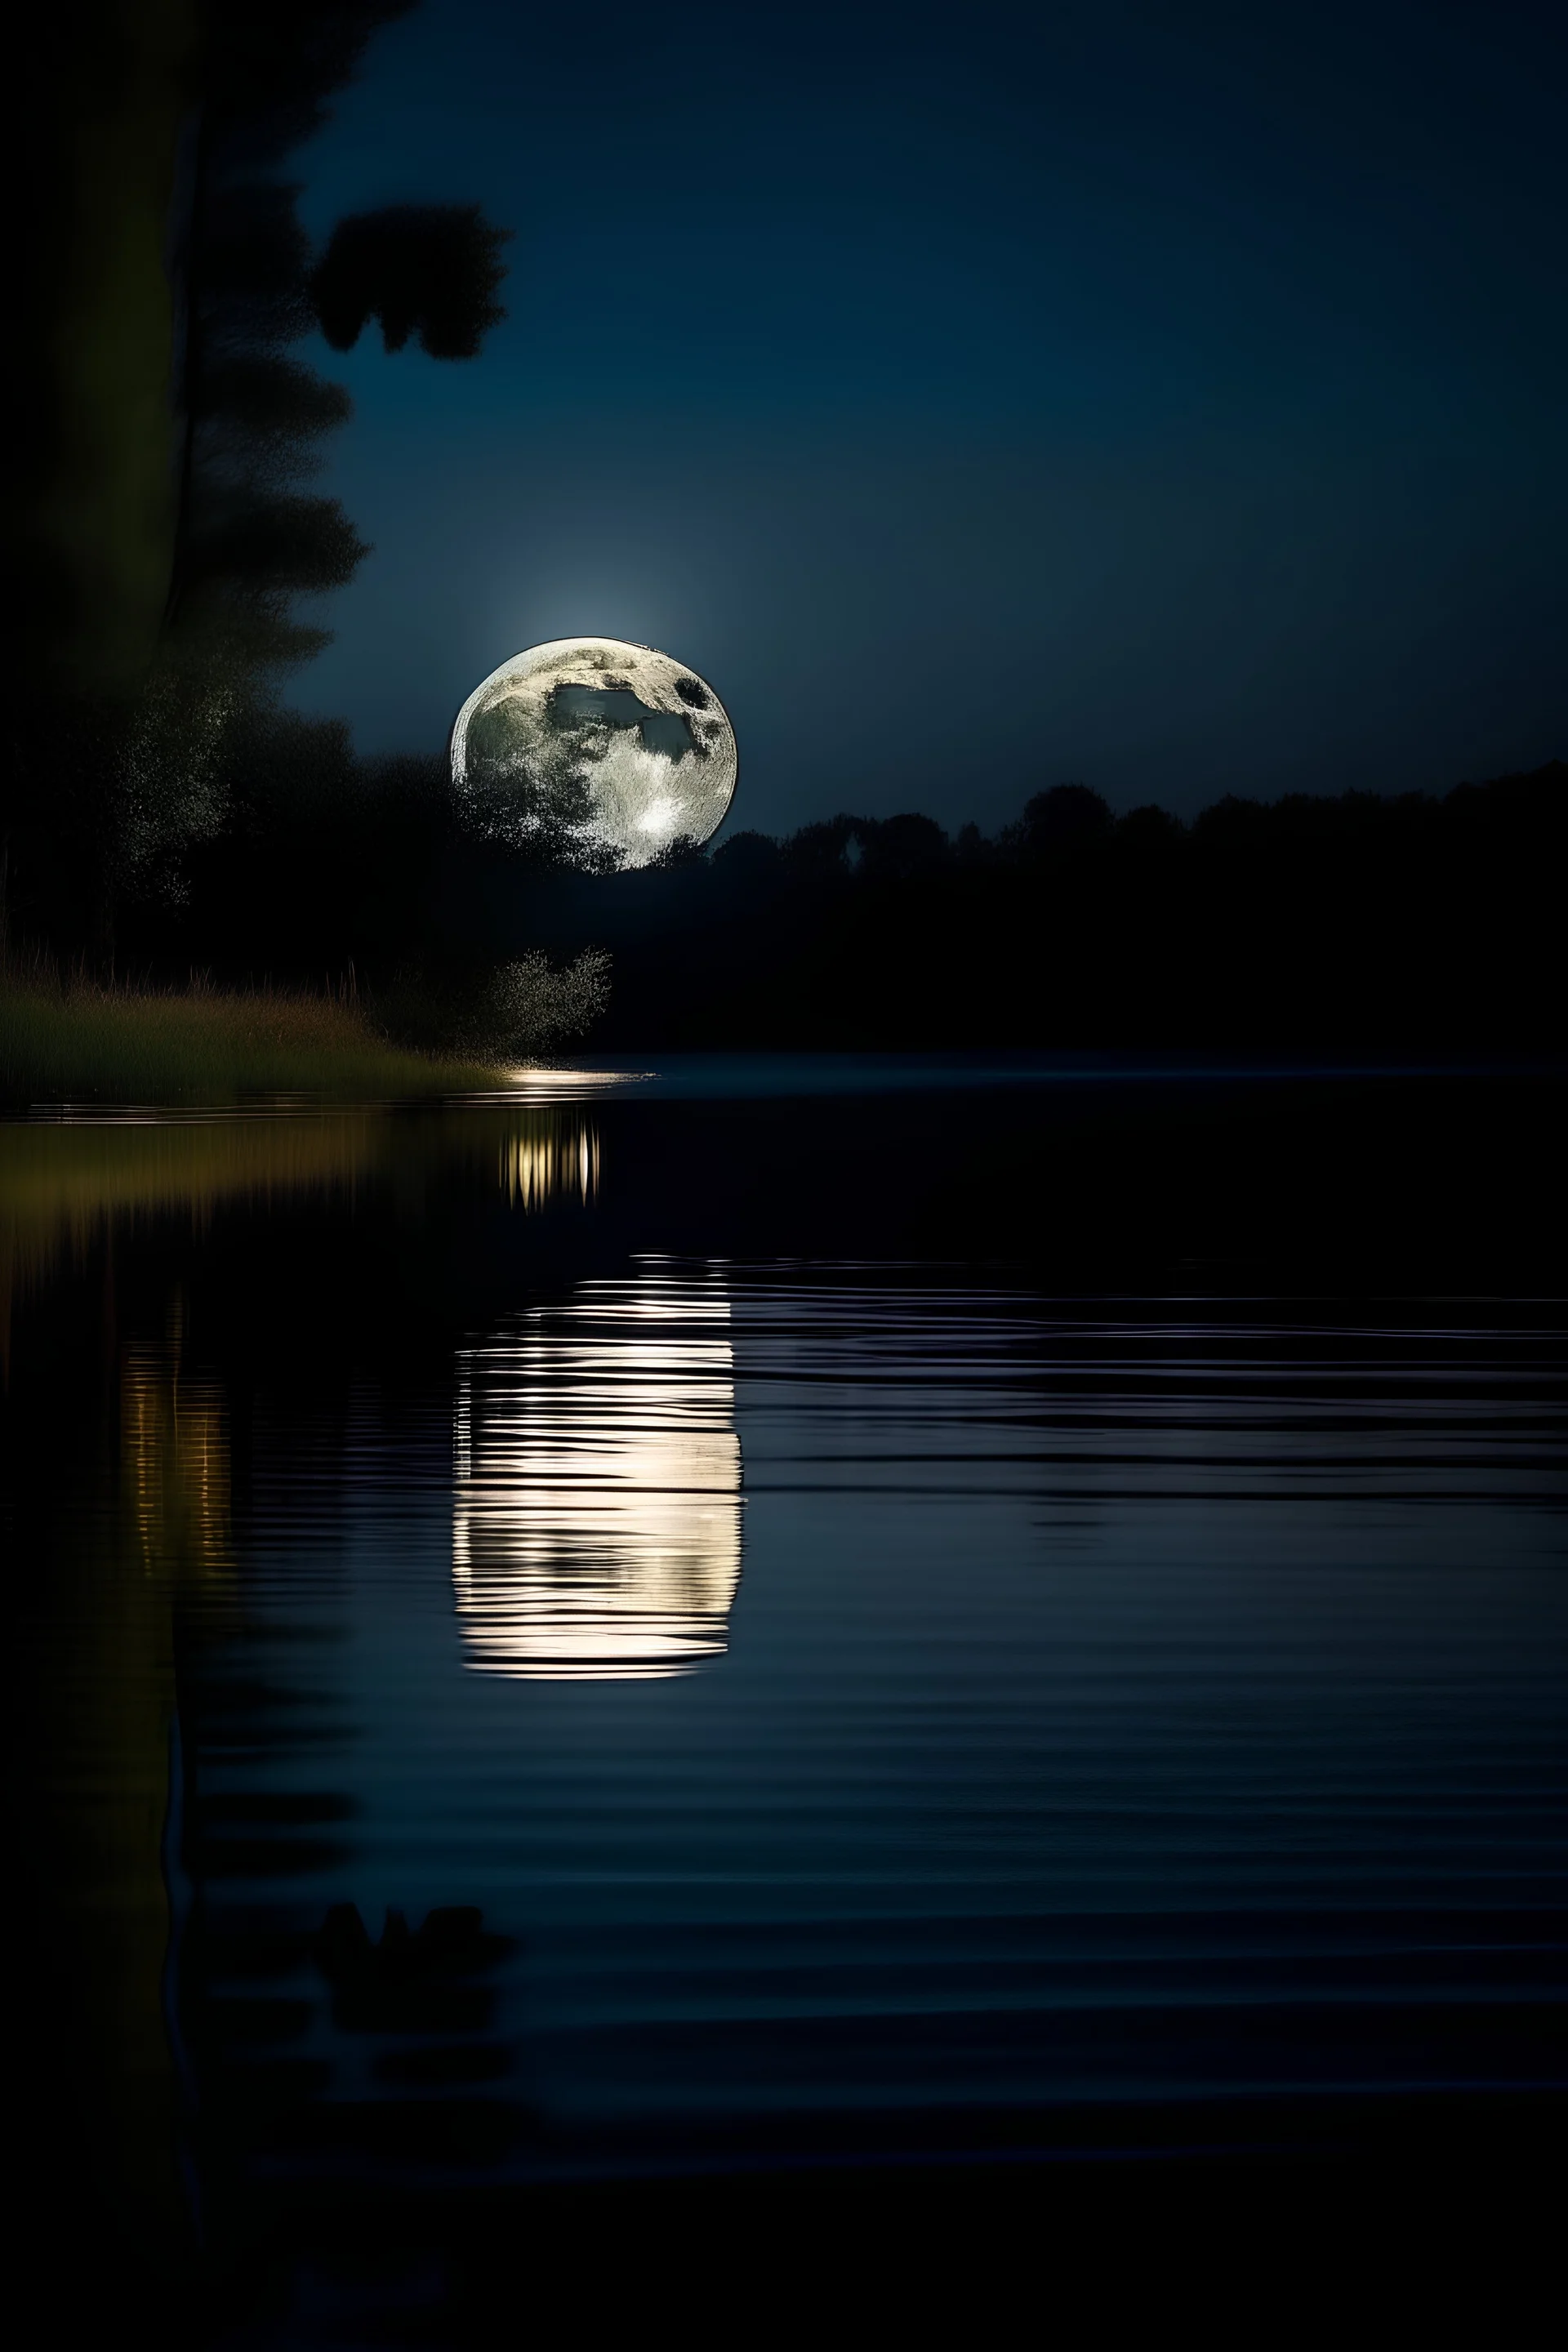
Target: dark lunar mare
{"x": 667, "y": 732}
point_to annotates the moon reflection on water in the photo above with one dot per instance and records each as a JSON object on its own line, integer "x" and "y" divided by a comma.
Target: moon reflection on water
{"x": 596, "y": 1521}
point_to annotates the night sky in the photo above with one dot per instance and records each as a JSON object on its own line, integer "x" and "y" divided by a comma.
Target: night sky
{"x": 1167, "y": 399}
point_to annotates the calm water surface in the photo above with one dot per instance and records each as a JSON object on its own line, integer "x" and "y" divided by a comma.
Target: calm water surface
{"x": 517, "y": 1694}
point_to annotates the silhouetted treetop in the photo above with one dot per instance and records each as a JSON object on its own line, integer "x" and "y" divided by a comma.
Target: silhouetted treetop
{"x": 271, "y": 67}
{"x": 1067, "y": 815}
{"x": 429, "y": 270}
{"x": 280, "y": 545}
{"x": 271, "y": 411}
{"x": 899, "y": 846}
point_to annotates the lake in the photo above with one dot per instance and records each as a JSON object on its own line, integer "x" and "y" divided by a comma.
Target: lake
{"x": 774, "y": 1620}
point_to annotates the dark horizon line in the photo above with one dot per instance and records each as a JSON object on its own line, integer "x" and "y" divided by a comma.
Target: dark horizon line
{"x": 1435, "y": 796}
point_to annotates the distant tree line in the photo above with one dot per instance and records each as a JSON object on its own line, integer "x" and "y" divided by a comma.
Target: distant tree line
{"x": 1308, "y": 923}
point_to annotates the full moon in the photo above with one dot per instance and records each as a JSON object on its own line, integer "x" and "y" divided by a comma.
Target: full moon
{"x": 587, "y": 744}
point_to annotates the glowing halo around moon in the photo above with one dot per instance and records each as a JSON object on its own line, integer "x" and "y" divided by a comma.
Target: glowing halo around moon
{"x": 591, "y": 747}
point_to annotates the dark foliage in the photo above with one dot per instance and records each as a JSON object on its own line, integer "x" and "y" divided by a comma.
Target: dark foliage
{"x": 161, "y": 264}
{"x": 272, "y": 65}
{"x": 1067, "y": 819}
{"x": 425, "y": 269}
{"x": 279, "y": 545}
{"x": 252, "y": 419}
{"x": 1352, "y": 924}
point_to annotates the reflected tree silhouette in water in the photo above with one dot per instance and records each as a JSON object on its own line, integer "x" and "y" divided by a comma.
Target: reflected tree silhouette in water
{"x": 129, "y": 1598}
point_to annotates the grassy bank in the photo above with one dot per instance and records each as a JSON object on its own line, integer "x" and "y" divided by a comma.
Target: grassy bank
{"x": 86, "y": 1043}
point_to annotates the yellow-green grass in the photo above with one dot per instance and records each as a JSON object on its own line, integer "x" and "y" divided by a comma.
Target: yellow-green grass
{"x": 122, "y": 1044}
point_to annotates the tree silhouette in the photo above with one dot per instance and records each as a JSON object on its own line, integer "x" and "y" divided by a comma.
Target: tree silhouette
{"x": 1068, "y": 817}
{"x": 429, "y": 270}
{"x": 253, "y": 420}
{"x": 162, "y": 267}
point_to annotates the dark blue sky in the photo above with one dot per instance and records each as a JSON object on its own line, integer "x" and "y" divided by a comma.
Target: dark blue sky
{"x": 1165, "y": 398}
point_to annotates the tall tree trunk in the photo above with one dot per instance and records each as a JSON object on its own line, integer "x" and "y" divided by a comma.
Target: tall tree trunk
{"x": 185, "y": 211}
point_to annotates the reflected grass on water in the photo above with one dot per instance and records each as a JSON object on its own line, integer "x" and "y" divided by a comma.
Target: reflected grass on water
{"x": 64, "y": 1182}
